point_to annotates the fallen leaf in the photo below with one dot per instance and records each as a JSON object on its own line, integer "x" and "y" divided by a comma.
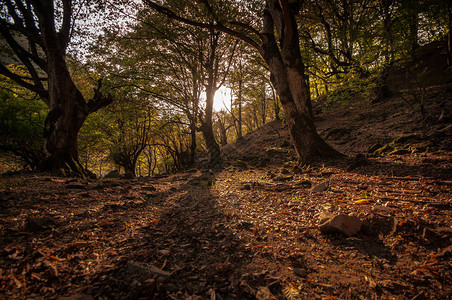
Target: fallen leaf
{"x": 362, "y": 201}
{"x": 54, "y": 258}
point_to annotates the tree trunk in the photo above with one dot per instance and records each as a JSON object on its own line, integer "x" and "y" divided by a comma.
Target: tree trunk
{"x": 192, "y": 116}
{"x": 263, "y": 105}
{"x": 207, "y": 131}
{"x": 239, "y": 99}
{"x": 68, "y": 109}
{"x": 411, "y": 7}
{"x": 449, "y": 34}
{"x": 288, "y": 78}
{"x": 223, "y": 130}
{"x": 275, "y": 104}
{"x": 387, "y": 31}
{"x": 308, "y": 144}
{"x": 211, "y": 88}
{"x": 193, "y": 144}
{"x": 62, "y": 125}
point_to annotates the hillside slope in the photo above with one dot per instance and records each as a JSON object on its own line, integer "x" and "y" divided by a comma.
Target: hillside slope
{"x": 356, "y": 125}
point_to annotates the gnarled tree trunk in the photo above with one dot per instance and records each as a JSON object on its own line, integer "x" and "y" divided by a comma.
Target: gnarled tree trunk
{"x": 288, "y": 78}
{"x": 63, "y": 122}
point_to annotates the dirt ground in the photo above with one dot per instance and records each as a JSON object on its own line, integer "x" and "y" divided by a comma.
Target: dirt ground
{"x": 251, "y": 229}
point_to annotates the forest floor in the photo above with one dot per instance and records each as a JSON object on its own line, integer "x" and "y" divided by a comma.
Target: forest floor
{"x": 251, "y": 229}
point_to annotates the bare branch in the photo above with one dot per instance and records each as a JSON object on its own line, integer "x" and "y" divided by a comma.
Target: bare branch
{"x": 170, "y": 14}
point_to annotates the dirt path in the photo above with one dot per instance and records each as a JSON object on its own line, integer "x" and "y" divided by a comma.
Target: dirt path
{"x": 239, "y": 233}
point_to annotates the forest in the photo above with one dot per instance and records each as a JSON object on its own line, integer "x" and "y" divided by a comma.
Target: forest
{"x": 225, "y": 149}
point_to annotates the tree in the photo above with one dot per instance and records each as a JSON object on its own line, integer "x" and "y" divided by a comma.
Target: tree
{"x": 38, "y": 33}
{"x": 338, "y": 29}
{"x": 21, "y": 126}
{"x": 245, "y": 69}
{"x": 177, "y": 66}
{"x": 277, "y": 41}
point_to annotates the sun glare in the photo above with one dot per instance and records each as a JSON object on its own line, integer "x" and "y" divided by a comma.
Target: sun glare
{"x": 222, "y": 100}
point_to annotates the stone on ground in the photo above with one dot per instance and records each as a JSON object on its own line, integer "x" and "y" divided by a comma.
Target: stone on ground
{"x": 345, "y": 224}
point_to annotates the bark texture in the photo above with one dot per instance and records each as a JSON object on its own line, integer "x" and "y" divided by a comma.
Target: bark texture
{"x": 207, "y": 129}
{"x": 288, "y": 78}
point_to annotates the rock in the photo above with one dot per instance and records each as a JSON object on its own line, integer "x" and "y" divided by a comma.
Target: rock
{"x": 264, "y": 293}
{"x": 36, "y": 224}
{"x": 345, "y": 224}
{"x": 325, "y": 217}
{"x": 321, "y": 187}
{"x": 300, "y": 272}
{"x": 113, "y": 174}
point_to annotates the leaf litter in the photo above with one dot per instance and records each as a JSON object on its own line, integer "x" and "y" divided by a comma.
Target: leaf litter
{"x": 191, "y": 240}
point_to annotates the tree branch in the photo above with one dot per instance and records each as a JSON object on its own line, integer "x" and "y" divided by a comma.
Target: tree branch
{"x": 170, "y": 14}
{"x": 99, "y": 100}
{"x": 64, "y": 33}
{"x": 19, "y": 80}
